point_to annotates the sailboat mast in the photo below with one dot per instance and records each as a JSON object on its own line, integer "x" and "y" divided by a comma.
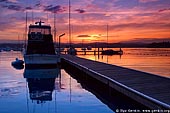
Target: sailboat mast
{"x": 19, "y": 48}
{"x": 107, "y": 35}
{"x": 47, "y": 18}
{"x": 32, "y": 17}
{"x": 54, "y": 27}
{"x": 26, "y": 29}
{"x": 69, "y": 15}
{"x": 31, "y": 5}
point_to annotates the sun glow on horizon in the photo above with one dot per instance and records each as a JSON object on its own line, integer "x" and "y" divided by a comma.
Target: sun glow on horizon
{"x": 127, "y": 22}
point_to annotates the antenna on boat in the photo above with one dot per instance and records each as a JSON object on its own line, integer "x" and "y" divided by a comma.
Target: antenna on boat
{"x": 40, "y": 23}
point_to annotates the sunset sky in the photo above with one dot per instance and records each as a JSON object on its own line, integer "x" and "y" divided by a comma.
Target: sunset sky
{"x": 127, "y": 20}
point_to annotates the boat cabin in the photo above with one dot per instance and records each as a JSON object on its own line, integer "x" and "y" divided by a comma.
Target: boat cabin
{"x": 40, "y": 40}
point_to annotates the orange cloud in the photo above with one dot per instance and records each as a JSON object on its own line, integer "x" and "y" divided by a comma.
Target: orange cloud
{"x": 145, "y": 1}
{"x": 137, "y": 19}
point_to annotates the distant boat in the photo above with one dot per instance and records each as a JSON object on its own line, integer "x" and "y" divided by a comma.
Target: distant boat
{"x": 17, "y": 62}
{"x": 89, "y": 48}
{"x": 112, "y": 52}
{"x": 40, "y": 48}
{"x": 83, "y": 49}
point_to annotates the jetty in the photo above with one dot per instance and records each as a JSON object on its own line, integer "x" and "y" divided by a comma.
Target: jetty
{"x": 147, "y": 89}
{"x": 86, "y": 52}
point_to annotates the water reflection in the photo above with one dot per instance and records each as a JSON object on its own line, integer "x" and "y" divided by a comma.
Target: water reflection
{"x": 19, "y": 87}
{"x": 112, "y": 98}
{"x": 149, "y": 60}
{"x": 18, "y": 67}
{"x": 41, "y": 83}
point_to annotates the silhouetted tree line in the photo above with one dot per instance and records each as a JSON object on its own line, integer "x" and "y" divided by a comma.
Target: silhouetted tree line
{"x": 19, "y": 46}
{"x": 159, "y": 45}
{"x": 11, "y": 46}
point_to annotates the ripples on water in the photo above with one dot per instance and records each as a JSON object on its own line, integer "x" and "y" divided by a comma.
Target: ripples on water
{"x": 151, "y": 60}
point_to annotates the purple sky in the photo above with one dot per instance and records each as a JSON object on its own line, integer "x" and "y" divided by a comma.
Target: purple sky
{"x": 128, "y": 20}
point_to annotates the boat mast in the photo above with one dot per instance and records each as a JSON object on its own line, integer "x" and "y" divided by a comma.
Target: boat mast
{"x": 32, "y": 17}
{"x": 31, "y": 5}
{"x": 47, "y": 18}
{"x": 54, "y": 28}
{"x": 69, "y": 23}
{"x": 26, "y": 30}
{"x": 107, "y": 35}
{"x": 19, "y": 46}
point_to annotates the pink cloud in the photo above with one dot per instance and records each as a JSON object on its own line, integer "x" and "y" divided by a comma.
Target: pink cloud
{"x": 145, "y": 1}
{"x": 14, "y": 1}
{"x": 165, "y": 9}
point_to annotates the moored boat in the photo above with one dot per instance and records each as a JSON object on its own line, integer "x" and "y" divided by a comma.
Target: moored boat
{"x": 18, "y": 64}
{"x": 112, "y": 52}
{"x": 40, "y": 47}
{"x": 89, "y": 48}
{"x": 83, "y": 49}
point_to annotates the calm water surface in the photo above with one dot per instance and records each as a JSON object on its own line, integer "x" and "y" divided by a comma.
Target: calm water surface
{"x": 55, "y": 91}
{"x": 151, "y": 60}
{"x": 43, "y": 91}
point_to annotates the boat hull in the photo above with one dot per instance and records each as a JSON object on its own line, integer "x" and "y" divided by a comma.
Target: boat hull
{"x": 111, "y": 52}
{"x": 41, "y": 59}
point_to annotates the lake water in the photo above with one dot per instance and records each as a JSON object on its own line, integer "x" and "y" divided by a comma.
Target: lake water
{"x": 55, "y": 91}
{"x": 43, "y": 91}
{"x": 151, "y": 60}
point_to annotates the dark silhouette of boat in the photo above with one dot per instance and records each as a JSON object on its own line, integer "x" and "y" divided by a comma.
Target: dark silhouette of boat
{"x": 83, "y": 49}
{"x": 40, "y": 47}
{"x": 89, "y": 48}
{"x": 18, "y": 64}
{"x": 112, "y": 52}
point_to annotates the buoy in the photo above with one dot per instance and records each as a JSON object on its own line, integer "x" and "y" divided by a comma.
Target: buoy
{"x": 18, "y": 64}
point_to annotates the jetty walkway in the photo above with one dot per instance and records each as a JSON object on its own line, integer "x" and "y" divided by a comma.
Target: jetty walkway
{"x": 148, "y": 89}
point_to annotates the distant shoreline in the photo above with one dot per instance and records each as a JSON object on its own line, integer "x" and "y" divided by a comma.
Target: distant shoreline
{"x": 19, "y": 46}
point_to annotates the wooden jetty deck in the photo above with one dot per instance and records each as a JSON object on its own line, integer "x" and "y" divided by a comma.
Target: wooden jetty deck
{"x": 150, "y": 90}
